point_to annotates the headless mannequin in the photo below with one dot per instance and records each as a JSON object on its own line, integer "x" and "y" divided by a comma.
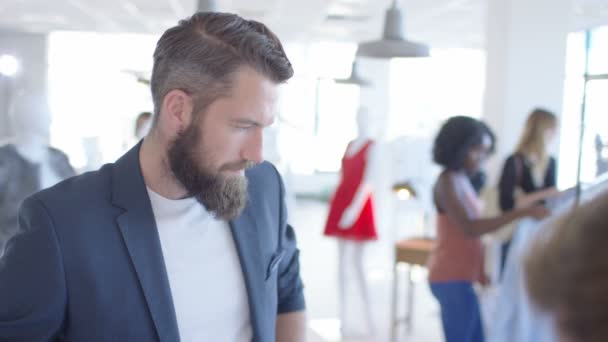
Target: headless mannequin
{"x": 30, "y": 121}
{"x": 351, "y": 252}
{"x": 27, "y": 163}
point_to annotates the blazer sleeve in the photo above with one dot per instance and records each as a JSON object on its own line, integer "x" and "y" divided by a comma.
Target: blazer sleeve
{"x": 33, "y": 293}
{"x": 290, "y": 287}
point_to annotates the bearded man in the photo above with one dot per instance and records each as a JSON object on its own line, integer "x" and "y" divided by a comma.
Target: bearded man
{"x": 185, "y": 237}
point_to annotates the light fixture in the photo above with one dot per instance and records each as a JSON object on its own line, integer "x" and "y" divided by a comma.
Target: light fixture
{"x": 354, "y": 77}
{"x": 405, "y": 190}
{"x": 393, "y": 43}
{"x": 206, "y": 6}
{"x": 9, "y": 65}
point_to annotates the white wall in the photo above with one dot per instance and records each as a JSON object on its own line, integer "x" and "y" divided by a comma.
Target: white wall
{"x": 526, "y": 57}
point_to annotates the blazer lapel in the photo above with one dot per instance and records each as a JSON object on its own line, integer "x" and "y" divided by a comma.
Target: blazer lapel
{"x": 140, "y": 234}
{"x": 244, "y": 232}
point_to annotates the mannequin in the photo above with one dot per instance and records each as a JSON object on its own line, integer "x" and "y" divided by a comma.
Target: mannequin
{"x": 351, "y": 217}
{"x": 27, "y": 163}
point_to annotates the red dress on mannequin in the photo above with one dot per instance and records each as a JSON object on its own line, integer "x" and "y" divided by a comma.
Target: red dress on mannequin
{"x": 364, "y": 228}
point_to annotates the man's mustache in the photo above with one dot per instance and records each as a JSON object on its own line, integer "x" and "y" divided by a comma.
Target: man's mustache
{"x": 237, "y": 166}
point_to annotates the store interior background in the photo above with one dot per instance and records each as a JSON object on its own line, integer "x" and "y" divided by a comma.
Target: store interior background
{"x": 490, "y": 59}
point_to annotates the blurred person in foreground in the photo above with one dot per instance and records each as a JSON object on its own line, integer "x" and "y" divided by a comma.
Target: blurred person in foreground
{"x": 567, "y": 272}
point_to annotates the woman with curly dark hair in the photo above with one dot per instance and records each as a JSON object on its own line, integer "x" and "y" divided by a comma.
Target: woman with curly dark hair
{"x": 456, "y": 263}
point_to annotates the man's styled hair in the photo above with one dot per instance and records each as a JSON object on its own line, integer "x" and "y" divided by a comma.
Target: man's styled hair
{"x": 200, "y": 55}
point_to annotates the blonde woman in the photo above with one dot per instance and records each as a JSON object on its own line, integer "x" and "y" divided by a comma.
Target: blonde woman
{"x": 529, "y": 174}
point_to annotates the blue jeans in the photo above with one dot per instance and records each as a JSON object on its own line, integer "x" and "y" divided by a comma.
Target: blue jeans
{"x": 460, "y": 314}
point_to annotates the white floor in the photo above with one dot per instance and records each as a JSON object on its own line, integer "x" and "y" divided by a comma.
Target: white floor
{"x": 319, "y": 264}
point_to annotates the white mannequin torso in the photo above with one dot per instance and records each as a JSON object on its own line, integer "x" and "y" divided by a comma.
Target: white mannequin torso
{"x": 366, "y": 132}
{"x": 30, "y": 122}
{"x": 356, "y": 145}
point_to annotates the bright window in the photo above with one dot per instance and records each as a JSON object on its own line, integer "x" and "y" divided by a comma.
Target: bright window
{"x": 594, "y": 158}
{"x": 317, "y": 115}
{"x": 93, "y": 101}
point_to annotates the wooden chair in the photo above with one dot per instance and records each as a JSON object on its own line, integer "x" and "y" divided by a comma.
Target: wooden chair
{"x": 414, "y": 252}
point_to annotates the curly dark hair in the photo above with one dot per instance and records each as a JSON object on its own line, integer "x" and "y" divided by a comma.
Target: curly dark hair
{"x": 456, "y": 137}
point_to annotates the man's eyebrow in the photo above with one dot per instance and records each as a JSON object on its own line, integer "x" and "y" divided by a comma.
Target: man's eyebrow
{"x": 250, "y": 122}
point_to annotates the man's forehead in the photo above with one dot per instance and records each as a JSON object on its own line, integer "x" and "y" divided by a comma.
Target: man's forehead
{"x": 246, "y": 74}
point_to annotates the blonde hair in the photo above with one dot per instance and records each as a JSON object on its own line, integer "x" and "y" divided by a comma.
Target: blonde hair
{"x": 532, "y": 140}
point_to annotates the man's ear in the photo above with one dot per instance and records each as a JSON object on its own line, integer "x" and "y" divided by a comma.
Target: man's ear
{"x": 176, "y": 111}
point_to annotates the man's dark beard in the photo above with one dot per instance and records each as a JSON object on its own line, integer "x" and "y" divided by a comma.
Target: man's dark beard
{"x": 225, "y": 197}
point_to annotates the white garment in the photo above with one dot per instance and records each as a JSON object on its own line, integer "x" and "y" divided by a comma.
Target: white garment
{"x": 204, "y": 272}
{"x": 515, "y": 318}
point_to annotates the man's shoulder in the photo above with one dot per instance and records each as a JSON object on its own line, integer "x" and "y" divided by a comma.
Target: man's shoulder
{"x": 264, "y": 179}
{"x": 262, "y": 171}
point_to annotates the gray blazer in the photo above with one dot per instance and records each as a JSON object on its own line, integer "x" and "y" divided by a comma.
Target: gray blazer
{"x": 87, "y": 263}
{"x": 18, "y": 180}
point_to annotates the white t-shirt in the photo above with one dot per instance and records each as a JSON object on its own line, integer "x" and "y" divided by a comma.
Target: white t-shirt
{"x": 204, "y": 272}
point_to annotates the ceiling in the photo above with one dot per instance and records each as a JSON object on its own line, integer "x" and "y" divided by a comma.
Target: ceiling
{"x": 461, "y": 21}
